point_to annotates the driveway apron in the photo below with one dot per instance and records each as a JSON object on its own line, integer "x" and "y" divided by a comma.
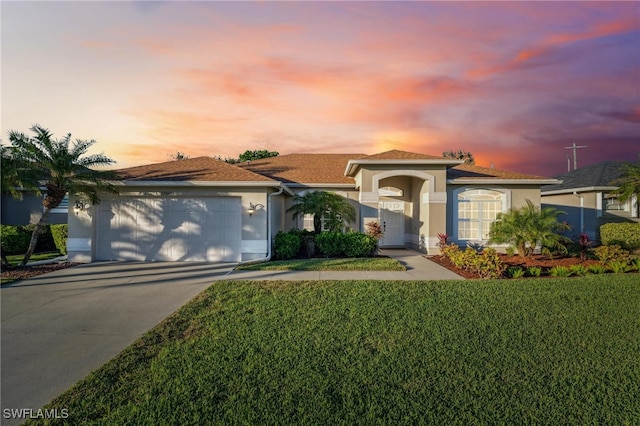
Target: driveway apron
{"x": 59, "y": 327}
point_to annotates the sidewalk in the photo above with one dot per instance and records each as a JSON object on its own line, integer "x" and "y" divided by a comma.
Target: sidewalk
{"x": 418, "y": 268}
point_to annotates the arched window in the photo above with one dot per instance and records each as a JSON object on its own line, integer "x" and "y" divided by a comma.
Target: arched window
{"x": 477, "y": 209}
{"x": 390, "y": 191}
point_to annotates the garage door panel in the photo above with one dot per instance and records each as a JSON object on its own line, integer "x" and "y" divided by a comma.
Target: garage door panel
{"x": 170, "y": 229}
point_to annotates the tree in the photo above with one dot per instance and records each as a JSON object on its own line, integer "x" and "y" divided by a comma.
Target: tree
{"x": 460, "y": 155}
{"x": 331, "y": 207}
{"x": 179, "y": 156}
{"x": 527, "y": 227}
{"x": 248, "y": 155}
{"x": 17, "y": 176}
{"x": 63, "y": 168}
{"x": 629, "y": 181}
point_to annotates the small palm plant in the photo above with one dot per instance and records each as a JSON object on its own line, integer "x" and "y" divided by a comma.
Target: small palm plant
{"x": 529, "y": 227}
{"x": 63, "y": 167}
{"x": 331, "y": 207}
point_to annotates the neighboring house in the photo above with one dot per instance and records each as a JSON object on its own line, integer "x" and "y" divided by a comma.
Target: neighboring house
{"x": 203, "y": 209}
{"x": 586, "y": 195}
{"x": 29, "y": 210}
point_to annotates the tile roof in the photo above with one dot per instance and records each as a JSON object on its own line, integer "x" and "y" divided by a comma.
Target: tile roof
{"x": 599, "y": 174}
{"x": 467, "y": 171}
{"x": 395, "y": 154}
{"x": 304, "y": 168}
{"x": 205, "y": 169}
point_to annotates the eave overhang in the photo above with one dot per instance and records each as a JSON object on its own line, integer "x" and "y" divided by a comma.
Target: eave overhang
{"x": 353, "y": 165}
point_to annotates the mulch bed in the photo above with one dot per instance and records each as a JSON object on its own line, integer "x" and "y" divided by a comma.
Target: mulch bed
{"x": 539, "y": 261}
{"x": 22, "y": 273}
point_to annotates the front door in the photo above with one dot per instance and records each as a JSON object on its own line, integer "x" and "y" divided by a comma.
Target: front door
{"x": 392, "y": 221}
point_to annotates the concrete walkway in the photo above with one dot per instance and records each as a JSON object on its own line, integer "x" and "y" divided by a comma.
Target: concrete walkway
{"x": 58, "y": 327}
{"x": 418, "y": 268}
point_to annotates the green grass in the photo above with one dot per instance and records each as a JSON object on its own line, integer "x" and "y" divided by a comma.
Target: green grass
{"x": 543, "y": 351}
{"x": 15, "y": 259}
{"x": 315, "y": 264}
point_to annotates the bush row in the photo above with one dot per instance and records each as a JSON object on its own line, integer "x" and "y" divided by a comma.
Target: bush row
{"x": 15, "y": 239}
{"x": 297, "y": 243}
{"x": 626, "y": 235}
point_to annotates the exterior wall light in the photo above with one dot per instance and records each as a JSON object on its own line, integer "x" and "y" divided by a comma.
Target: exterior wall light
{"x": 253, "y": 208}
{"x": 80, "y": 206}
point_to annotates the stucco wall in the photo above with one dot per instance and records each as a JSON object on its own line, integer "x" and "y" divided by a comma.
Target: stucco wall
{"x": 26, "y": 211}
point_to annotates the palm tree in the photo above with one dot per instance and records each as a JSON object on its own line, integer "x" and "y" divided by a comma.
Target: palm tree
{"x": 527, "y": 227}
{"x": 63, "y": 167}
{"x": 16, "y": 178}
{"x": 331, "y": 207}
{"x": 629, "y": 181}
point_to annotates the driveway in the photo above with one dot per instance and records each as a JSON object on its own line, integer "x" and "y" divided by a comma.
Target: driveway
{"x": 59, "y": 327}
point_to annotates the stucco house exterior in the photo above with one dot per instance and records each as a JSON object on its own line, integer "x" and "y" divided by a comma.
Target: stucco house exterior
{"x": 29, "y": 210}
{"x": 203, "y": 209}
{"x": 586, "y": 196}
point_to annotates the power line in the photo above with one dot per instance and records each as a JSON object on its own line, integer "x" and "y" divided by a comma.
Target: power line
{"x": 575, "y": 153}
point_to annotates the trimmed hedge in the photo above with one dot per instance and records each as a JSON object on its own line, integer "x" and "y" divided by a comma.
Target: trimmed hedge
{"x": 287, "y": 244}
{"x": 15, "y": 239}
{"x": 290, "y": 244}
{"x": 60, "y": 234}
{"x": 626, "y": 235}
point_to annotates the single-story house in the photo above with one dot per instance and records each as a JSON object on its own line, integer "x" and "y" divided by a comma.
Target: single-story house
{"x": 586, "y": 195}
{"x": 29, "y": 210}
{"x": 203, "y": 209}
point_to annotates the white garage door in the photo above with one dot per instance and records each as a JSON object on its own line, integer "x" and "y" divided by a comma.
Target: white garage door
{"x": 177, "y": 229}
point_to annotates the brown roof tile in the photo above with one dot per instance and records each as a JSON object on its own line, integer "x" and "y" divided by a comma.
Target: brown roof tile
{"x": 467, "y": 171}
{"x": 305, "y": 168}
{"x": 204, "y": 169}
{"x": 400, "y": 155}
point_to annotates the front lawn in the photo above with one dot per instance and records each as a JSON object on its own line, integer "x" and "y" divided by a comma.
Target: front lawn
{"x": 321, "y": 264}
{"x": 15, "y": 259}
{"x": 545, "y": 351}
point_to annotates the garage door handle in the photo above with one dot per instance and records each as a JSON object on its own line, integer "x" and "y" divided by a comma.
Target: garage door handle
{"x": 384, "y": 226}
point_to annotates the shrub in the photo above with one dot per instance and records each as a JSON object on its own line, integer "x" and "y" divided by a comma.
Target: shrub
{"x": 287, "y": 244}
{"x": 618, "y": 267}
{"x": 597, "y": 269}
{"x": 450, "y": 250}
{"x": 60, "y": 234}
{"x": 579, "y": 270}
{"x": 357, "y": 244}
{"x": 560, "y": 271}
{"x": 534, "y": 271}
{"x": 330, "y": 244}
{"x": 626, "y": 235}
{"x": 515, "y": 272}
{"x": 443, "y": 240}
{"x": 487, "y": 264}
{"x": 511, "y": 251}
{"x": 612, "y": 253}
{"x": 527, "y": 227}
{"x": 584, "y": 245}
{"x": 15, "y": 240}
{"x": 635, "y": 264}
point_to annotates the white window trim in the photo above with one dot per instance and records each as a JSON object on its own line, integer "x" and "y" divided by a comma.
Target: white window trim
{"x": 506, "y": 205}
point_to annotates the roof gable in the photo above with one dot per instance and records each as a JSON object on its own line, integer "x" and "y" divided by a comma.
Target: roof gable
{"x": 199, "y": 169}
{"x": 396, "y": 154}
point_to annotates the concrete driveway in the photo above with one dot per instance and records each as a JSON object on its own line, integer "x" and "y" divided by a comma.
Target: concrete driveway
{"x": 59, "y": 327}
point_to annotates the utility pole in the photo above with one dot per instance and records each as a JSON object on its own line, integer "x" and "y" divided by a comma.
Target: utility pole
{"x": 575, "y": 153}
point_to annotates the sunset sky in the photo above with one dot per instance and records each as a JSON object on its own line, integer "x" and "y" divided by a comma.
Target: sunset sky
{"x": 512, "y": 82}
